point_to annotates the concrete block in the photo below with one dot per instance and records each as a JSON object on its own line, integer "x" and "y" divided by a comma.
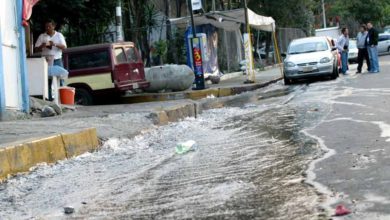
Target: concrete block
{"x": 21, "y": 157}
{"x": 224, "y": 92}
{"x": 5, "y": 167}
{"x": 181, "y": 112}
{"x": 81, "y": 142}
{"x": 200, "y": 94}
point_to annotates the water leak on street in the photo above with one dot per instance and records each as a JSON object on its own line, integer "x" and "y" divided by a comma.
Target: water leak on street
{"x": 250, "y": 162}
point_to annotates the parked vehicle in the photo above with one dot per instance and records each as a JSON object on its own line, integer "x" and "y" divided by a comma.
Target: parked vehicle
{"x": 332, "y": 32}
{"x": 384, "y": 43}
{"x": 262, "y": 53}
{"x": 310, "y": 57}
{"x": 104, "y": 69}
{"x": 353, "y": 52}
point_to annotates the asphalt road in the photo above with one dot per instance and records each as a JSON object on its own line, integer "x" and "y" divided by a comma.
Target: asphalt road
{"x": 294, "y": 153}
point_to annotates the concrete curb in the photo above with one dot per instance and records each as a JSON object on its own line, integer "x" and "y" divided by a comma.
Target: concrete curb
{"x": 21, "y": 157}
{"x": 240, "y": 73}
{"x": 197, "y": 94}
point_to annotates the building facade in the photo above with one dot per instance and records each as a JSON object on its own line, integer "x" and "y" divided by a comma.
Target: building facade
{"x": 14, "y": 98}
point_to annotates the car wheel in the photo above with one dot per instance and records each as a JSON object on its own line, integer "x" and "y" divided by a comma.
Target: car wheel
{"x": 83, "y": 97}
{"x": 287, "y": 81}
{"x": 335, "y": 73}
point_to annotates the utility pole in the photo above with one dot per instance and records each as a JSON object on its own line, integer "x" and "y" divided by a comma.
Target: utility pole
{"x": 196, "y": 53}
{"x": 248, "y": 49}
{"x": 323, "y": 13}
{"x": 118, "y": 21}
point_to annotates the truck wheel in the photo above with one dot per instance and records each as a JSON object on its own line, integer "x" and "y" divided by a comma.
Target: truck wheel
{"x": 83, "y": 97}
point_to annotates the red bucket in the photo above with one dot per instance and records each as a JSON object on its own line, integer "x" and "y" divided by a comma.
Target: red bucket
{"x": 67, "y": 95}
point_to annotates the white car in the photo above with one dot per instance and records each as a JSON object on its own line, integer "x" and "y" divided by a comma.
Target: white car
{"x": 352, "y": 52}
{"x": 310, "y": 57}
{"x": 384, "y": 43}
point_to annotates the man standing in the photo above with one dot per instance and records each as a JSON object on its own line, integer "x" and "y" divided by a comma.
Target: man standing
{"x": 372, "y": 43}
{"x": 361, "y": 45}
{"x": 342, "y": 46}
{"x": 51, "y": 43}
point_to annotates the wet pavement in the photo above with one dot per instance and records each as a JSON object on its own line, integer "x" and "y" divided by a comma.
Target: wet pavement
{"x": 292, "y": 153}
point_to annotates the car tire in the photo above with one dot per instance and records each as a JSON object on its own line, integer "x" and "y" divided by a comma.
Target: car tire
{"x": 83, "y": 97}
{"x": 287, "y": 81}
{"x": 335, "y": 72}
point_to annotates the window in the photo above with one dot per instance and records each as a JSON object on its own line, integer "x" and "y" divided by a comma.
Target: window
{"x": 132, "y": 54}
{"x": 120, "y": 55}
{"x": 89, "y": 60}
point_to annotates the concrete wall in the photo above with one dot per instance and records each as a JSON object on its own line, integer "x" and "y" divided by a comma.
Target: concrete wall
{"x": 14, "y": 96}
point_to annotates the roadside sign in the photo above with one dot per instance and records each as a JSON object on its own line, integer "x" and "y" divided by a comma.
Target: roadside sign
{"x": 196, "y": 5}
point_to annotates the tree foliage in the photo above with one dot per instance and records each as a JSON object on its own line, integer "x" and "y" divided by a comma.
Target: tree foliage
{"x": 377, "y": 11}
{"x": 82, "y": 21}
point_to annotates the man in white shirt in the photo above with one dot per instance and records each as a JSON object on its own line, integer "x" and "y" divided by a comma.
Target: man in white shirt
{"x": 342, "y": 46}
{"x": 51, "y": 43}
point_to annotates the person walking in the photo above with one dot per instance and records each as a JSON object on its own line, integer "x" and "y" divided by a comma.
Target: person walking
{"x": 342, "y": 46}
{"x": 361, "y": 45}
{"x": 372, "y": 48}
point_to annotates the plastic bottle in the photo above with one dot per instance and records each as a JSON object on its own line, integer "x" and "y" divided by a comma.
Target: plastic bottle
{"x": 184, "y": 147}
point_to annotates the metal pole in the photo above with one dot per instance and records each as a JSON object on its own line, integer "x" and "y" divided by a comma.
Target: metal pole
{"x": 323, "y": 13}
{"x": 251, "y": 74}
{"x": 196, "y": 54}
{"x": 118, "y": 21}
{"x": 192, "y": 18}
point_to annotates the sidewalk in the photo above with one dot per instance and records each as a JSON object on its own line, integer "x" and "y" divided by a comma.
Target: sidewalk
{"x": 25, "y": 143}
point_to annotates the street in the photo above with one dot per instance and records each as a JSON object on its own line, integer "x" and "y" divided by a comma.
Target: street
{"x": 294, "y": 153}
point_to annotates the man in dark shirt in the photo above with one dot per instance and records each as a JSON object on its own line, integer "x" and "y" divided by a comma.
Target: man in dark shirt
{"x": 372, "y": 48}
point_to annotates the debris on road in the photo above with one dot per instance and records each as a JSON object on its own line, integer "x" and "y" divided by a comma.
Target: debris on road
{"x": 68, "y": 210}
{"x": 184, "y": 147}
{"x": 342, "y": 210}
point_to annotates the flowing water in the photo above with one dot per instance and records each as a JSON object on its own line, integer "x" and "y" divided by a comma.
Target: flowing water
{"x": 249, "y": 162}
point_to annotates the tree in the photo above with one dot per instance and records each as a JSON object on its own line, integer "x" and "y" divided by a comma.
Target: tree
{"x": 142, "y": 18}
{"x": 377, "y": 11}
{"x": 77, "y": 18}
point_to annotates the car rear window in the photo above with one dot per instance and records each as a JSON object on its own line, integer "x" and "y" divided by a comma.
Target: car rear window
{"x": 307, "y": 47}
{"x": 120, "y": 55}
{"x": 131, "y": 54}
{"x": 89, "y": 60}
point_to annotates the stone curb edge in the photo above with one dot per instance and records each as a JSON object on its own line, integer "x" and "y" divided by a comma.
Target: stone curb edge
{"x": 198, "y": 94}
{"x": 195, "y": 107}
{"x": 21, "y": 157}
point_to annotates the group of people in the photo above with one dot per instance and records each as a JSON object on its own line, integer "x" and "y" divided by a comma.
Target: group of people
{"x": 367, "y": 42}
